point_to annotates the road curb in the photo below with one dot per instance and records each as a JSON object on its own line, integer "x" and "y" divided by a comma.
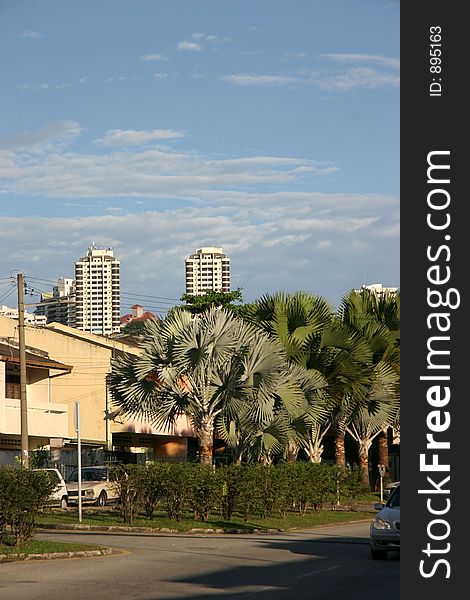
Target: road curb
{"x": 194, "y": 530}
{"x": 124, "y": 529}
{"x": 49, "y": 555}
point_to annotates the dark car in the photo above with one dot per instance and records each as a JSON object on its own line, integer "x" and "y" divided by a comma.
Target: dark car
{"x": 385, "y": 527}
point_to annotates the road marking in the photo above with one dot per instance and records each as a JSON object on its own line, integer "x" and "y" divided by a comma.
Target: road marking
{"x": 316, "y": 572}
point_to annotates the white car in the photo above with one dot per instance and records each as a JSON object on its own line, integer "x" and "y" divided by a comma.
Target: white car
{"x": 98, "y": 486}
{"x": 385, "y": 527}
{"x": 59, "y": 496}
{"x": 388, "y": 489}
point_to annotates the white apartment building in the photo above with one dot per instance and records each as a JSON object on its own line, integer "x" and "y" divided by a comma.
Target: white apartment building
{"x": 207, "y": 269}
{"x": 59, "y": 305}
{"x": 97, "y": 291}
{"x": 379, "y": 289}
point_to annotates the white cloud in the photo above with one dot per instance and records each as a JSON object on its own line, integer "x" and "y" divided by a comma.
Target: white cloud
{"x": 358, "y": 77}
{"x": 189, "y": 46}
{"x": 381, "y": 60}
{"x": 153, "y": 57}
{"x": 155, "y": 173}
{"x": 210, "y": 38}
{"x": 137, "y": 172}
{"x": 32, "y": 35}
{"x": 51, "y": 134}
{"x": 252, "y": 80}
{"x": 34, "y": 87}
{"x": 282, "y": 239}
{"x": 322, "y": 243}
{"x": 131, "y": 137}
{"x": 203, "y": 36}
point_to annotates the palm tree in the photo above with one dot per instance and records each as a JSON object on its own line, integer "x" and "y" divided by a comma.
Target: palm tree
{"x": 344, "y": 359}
{"x": 377, "y": 320}
{"x": 315, "y": 339}
{"x": 215, "y": 368}
{"x": 369, "y": 421}
{"x": 297, "y": 321}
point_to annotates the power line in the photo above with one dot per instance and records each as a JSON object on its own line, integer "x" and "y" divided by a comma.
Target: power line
{"x": 7, "y": 294}
{"x": 123, "y": 293}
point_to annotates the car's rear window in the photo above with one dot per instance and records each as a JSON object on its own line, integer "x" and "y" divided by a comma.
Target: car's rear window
{"x": 89, "y": 474}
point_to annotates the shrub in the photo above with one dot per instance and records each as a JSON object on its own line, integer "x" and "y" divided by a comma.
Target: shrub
{"x": 152, "y": 481}
{"x": 301, "y": 483}
{"x": 250, "y": 499}
{"x": 323, "y": 485}
{"x": 23, "y": 494}
{"x": 230, "y": 477}
{"x": 352, "y": 486}
{"x": 40, "y": 458}
{"x": 127, "y": 484}
{"x": 175, "y": 495}
{"x": 284, "y": 474}
{"x": 272, "y": 489}
{"x": 203, "y": 490}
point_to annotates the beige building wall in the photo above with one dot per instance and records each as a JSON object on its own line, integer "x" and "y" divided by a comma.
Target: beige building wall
{"x": 45, "y": 418}
{"x": 90, "y": 356}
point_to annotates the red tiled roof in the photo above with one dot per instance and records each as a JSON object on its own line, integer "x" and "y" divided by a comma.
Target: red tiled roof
{"x": 129, "y": 318}
{"x": 147, "y": 315}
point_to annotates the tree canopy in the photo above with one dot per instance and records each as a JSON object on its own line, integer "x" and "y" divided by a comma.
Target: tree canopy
{"x": 197, "y": 304}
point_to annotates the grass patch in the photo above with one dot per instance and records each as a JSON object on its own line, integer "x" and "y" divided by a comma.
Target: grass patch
{"x": 110, "y": 517}
{"x": 40, "y": 547}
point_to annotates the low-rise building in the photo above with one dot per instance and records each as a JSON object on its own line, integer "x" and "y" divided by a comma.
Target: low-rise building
{"x": 76, "y": 365}
{"x": 137, "y": 315}
{"x": 47, "y": 417}
{"x": 29, "y": 318}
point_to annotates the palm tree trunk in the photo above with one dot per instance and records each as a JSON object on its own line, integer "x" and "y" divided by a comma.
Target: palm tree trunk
{"x": 382, "y": 441}
{"x": 314, "y": 452}
{"x": 364, "y": 446}
{"x": 340, "y": 450}
{"x": 292, "y": 451}
{"x": 206, "y": 440}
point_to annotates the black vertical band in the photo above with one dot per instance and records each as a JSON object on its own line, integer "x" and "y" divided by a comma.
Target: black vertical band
{"x": 435, "y": 396}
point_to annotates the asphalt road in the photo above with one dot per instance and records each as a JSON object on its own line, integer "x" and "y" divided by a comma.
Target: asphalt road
{"x": 327, "y": 563}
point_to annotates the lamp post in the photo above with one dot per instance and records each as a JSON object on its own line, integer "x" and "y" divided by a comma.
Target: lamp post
{"x": 79, "y": 458}
{"x": 382, "y": 469}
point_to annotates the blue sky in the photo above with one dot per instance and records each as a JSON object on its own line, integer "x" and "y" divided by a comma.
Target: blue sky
{"x": 268, "y": 127}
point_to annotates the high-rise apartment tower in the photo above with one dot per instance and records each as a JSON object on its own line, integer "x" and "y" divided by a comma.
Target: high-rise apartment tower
{"x": 97, "y": 291}
{"x": 207, "y": 269}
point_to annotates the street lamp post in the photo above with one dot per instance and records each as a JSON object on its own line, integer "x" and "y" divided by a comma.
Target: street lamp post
{"x": 381, "y": 473}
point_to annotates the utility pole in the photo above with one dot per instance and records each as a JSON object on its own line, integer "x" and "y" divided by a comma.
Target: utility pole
{"x": 23, "y": 399}
{"x": 79, "y": 457}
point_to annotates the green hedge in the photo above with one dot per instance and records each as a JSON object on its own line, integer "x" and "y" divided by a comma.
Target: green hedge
{"x": 252, "y": 490}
